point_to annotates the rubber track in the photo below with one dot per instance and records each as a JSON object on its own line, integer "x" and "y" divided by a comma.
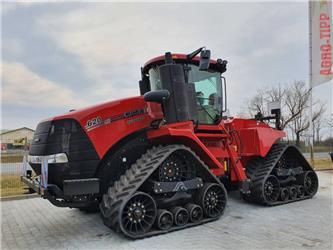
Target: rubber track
{"x": 258, "y": 171}
{"x": 130, "y": 182}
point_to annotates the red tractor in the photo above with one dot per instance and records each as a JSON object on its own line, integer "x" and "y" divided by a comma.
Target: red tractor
{"x": 160, "y": 161}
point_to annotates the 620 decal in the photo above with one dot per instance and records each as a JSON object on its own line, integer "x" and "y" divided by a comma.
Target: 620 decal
{"x": 93, "y": 123}
{"x": 97, "y": 122}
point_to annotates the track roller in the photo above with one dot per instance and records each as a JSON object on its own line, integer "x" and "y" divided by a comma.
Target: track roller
{"x": 293, "y": 192}
{"x": 300, "y": 191}
{"x": 195, "y": 212}
{"x": 284, "y": 194}
{"x": 212, "y": 198}
{"x": 164, "y": 219}
{"x": 181, "y": 216}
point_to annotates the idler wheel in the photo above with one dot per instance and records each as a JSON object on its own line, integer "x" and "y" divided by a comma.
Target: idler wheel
{"x": 212, "y": 197}
{"x": 138, "y": 214}
{"x": 271, "y": 188}
{"x": 310, "y": 182}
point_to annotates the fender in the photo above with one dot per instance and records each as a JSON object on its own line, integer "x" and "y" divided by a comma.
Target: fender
{"x": 182, "y": 133}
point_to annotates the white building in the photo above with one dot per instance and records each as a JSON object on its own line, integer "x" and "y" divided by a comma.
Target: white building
{"x": 17, "y": 138}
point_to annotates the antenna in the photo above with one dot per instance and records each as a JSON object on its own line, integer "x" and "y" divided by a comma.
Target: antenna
{"x": 194, "y": 53}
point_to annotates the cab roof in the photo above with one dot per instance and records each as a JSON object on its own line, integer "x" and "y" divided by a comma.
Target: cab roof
{"x": 182, "y": 58}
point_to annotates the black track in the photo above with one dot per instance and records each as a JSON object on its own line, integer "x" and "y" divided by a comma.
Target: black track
{"x": 116, "y": 197}
{"x": 260, "y": 169}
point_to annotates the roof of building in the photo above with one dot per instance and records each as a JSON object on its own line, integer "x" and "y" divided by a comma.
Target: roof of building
{"x": 10, "y": 131}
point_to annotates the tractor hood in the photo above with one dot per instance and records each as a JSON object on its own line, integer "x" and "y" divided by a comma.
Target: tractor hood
{"x": 81, "y": 114}
{"x": 107, "y": 123}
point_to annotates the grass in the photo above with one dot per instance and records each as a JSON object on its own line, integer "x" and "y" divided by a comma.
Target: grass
{"x": 322, "y": 163}
{"x": 8, "y": 158}
{"x": 11, "y": 185}
{"x": 322, "y": 149}
{"x": 316, "y": 149}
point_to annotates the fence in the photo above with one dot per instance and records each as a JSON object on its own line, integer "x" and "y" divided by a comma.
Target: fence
{"x": 15, "y": 146}
{"x": 13, "y": 165}
{"x": 322, "y": 158}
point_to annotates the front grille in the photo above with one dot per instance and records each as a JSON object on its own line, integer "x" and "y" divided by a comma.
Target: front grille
{"x": 65, "y": 136}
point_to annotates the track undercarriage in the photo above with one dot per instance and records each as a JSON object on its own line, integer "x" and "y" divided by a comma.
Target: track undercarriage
{"x": 168, "y": 188}
{"x": 281, "y": 177}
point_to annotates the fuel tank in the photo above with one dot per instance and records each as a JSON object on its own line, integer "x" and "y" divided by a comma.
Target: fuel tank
{"x": 252, "y": 137}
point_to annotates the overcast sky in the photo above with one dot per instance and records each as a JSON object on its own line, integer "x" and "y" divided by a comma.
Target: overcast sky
{"x": 62, "y": 56}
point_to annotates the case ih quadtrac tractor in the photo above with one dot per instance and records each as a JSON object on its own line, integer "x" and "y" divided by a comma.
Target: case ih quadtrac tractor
{"x": 160, "y": 161}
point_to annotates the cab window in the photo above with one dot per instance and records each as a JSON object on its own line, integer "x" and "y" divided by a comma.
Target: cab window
{"x": 208, "y": 86}
{"x": 154, "y": 79}
{"x": 208, "y": 92}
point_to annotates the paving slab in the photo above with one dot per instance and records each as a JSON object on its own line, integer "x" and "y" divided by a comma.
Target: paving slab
{"x": 37, "y": 224}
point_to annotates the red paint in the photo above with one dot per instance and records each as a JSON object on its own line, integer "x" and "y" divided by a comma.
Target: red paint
{"x": 233, "y": 142}
{"x": 257, "y": 137}
{"x": 105, "y": 136}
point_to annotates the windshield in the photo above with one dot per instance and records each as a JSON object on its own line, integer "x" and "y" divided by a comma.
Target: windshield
{"x": 208, "y": 86}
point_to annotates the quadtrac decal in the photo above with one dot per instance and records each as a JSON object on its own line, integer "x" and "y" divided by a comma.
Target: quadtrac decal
{"x": 98, "y": 121}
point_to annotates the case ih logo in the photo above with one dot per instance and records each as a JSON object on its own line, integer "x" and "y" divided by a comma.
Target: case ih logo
{"x": 97, "y": 121}
{"x": 180, "y": 186}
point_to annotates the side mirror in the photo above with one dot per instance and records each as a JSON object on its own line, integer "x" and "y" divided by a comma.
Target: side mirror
{"x": 204, "y": 60}
{"x": 275, "y": 109}
{"x": 144, "y": 86}
{"x": 158, "y": 96}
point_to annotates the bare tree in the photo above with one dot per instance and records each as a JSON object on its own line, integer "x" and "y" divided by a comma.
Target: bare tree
{"x": 328, "y": 122}
{"x": 294, "y": 101}
{"x": 297, "y": 101}
{"x": 299, "y": 125}
{"x": 318, "y": 120}
{"x": 275, "y": 94}
{"x": 256, "y": 103}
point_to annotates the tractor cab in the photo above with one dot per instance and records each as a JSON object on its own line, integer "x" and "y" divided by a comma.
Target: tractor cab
{"x": 195, "y": 85}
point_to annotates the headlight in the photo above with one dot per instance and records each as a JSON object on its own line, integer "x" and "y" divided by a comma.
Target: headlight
{"x": 55, "y": 158}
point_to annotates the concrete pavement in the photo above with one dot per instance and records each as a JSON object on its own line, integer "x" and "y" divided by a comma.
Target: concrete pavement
{"x": 36, "y": 224}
